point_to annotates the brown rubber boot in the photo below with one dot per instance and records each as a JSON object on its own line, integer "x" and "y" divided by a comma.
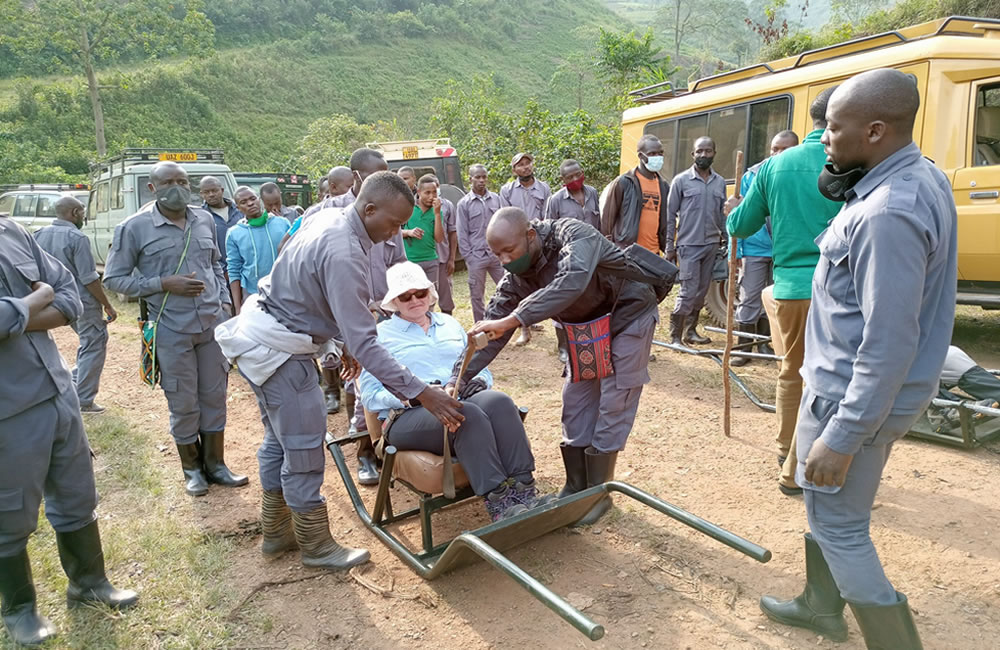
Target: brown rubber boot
{"x": 319, "y": 550}
{"x": 276, "y": 524}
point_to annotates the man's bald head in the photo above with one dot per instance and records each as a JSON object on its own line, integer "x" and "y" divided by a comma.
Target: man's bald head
{"x": 70, "y": 209}
{"x": 506, "y": 223}
{"x": 869, "y": 117}
{"x": 384, "y": 204}
{"x": 208, "y": 182}
{"x": 512, "y": 238}
{"x": 340, "y": 180}
{"x": 168, "y": 169}
{"x": 704, "y": 142}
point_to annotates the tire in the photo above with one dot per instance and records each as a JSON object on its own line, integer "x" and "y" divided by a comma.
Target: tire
{"x": 715, "y": 302}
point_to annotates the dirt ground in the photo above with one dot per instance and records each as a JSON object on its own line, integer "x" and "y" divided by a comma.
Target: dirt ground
{"x": 649, "y": 580}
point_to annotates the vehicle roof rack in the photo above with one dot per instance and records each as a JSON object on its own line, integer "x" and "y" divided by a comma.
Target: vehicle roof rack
{"x": 155, "y": 155}
{"x": 950, "y": 26}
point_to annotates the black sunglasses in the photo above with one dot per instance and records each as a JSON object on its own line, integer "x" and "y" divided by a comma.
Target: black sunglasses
{"x": 419, "y": 294}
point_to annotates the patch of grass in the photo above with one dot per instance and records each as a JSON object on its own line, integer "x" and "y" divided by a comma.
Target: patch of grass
{"x": 150, "y": 545}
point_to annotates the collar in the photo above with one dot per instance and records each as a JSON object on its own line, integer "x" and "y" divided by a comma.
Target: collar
{"x": 484, "y": 197}
{"x": 901, "y": 158}
{"x": 62, "y": 222}
{"x": 693, "y": 174}
{"x": 354, "y": 219}
{"x": 424, "y": 210}
{"x": 160, "y": 220}
{"x": 814, "y": 135}
{"x": 404, "y": 325}
{"x": 588, "y": 191}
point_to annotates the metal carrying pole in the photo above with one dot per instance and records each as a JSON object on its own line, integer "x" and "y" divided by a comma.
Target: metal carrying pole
{"x": 730, "y": 299}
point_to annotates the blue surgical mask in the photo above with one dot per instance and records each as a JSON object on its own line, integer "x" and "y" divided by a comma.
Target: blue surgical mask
{"x": 654, "y": 163}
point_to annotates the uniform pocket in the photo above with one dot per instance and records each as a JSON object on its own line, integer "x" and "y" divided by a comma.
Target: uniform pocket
{"x": 832, "y": 273}
{"x": 303, "y": 452}
{"x": 29, "y": 271}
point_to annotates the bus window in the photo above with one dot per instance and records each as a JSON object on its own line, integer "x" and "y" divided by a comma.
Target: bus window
{"x": 689, "y": 129}
{"x": 666, "y": 131}
{"x": 728, "y": 127}
{"x": 988, "y": 126}
{"x": 767, "y": 119}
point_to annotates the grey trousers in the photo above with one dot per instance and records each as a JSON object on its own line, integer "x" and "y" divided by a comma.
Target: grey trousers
{"x": 839, "y": 518}
{"x": 90, "y": 356}
{"x": 695, "y": 276}
{"x": 291, "y": 456}
{"x": 430, "y": 268}
{"x": 445, "y": 296}
{"x": 491, "y": 444}
{"x": 44, "y": 453}
{"x": 600, "y": 412}
{"x": 194, "y": 378}
{"x": 756, "y": 276}
{"x": 477, "y": 283}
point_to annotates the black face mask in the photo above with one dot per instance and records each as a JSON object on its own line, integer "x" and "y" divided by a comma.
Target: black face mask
{"x": 703, "y": 162}
{"x": 834, "y": 185}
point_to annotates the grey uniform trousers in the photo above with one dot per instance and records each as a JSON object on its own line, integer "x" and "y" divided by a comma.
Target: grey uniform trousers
{"x": 194, "y": 378}
{"x": 695, "y": 275}
{"x": 446, "y": 298}
{"x": 491, "y": 444}
{"x": 430, "y": 268}
{"x": 840, "y": 520}
{"x": 44, "y": 453}
{"x": 600, "y": 412}
{"x": 477, "y": 283}
{"x": 756, "y": 276}
{"x": 90, "y": 356}
{"x": 291, "y": 457}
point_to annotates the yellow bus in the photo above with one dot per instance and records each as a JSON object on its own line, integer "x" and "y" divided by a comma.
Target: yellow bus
{"x": 956, "y": 64}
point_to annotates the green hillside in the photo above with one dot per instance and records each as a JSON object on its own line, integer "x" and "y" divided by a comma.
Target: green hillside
{"x": 257, "y": 101}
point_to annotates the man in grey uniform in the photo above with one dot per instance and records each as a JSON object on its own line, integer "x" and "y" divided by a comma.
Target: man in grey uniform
{"x": 270, "y": 197}
{"x": 320, "y": 286}
{"x": 525, "y": 191}
{"x": 167, "y": 255}
{"x": 473, "y": 213}
{"x": 43, "y": 448}
{"x": 694, "y": 214}
{"x": 883, "y": 307}
{"x": 575, "y": 200}
{"x": 447, "y": 252}
{"x": 565, "y": 270}
{"x": 65, "y": 241}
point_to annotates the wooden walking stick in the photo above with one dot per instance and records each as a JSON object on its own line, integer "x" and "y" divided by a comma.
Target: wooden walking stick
{"x": 477, "y": 342}
{"x": 730, "y": 299}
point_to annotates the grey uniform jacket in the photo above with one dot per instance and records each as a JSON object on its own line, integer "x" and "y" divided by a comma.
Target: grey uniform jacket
{"x": 694, "y": 209}
{"x": 32, "y": 371}
{"x": 531, "y": 200}
{"x": 147, "y": 247}
{"x": 473, "y": 215}
{"x": 883, "y": 298}
{"x": 575, "y": 280}
{"x": 320, "y": 285}
{"x": 563, "y": 206}
{"x": 67, "y": 243}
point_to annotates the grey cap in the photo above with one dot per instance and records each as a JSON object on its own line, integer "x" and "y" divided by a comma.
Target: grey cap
{"x": 518, "y": 156}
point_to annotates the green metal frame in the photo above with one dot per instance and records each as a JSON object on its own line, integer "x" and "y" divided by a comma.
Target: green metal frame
{"x": 969, "y": 434}
{"x": 489, "y": 542}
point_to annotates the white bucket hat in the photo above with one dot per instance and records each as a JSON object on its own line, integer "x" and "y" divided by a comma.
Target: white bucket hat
{"x": 403, "y": 277}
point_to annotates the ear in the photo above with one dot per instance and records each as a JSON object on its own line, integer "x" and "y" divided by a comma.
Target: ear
{"x": 369, "y": 210}
{"x": 151, "y": 188}
{"x": 876, "y": 131}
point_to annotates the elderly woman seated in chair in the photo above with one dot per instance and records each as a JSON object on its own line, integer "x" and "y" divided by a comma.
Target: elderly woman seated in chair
{"x": 491, "y": 444}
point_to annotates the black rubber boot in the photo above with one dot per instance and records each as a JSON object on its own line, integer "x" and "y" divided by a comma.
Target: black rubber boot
{"x": 17, "y": 592}
{"x": 691, "y": 335}
{"x": 600, "y": 469}
{"x": 676, "y": 328}
{"x": 213, "y": 446}
{"x": 764, "y": 328}
{"x": 576, "y": 469}
{"x": 331, "y": 391}
{"x": 749, "y": 328}
{"x": 819, "y": 607}
{"x": 194, "y": 472}
{"x": 562, "y": 345}
{"x": 349, "y": 405}
{"x": 82, "y": 559}
{"x": 312, "y": 532}
{"x": 276, "y": 524}
{"x": 888, "y": 627}
{"x": 367, "y": 463}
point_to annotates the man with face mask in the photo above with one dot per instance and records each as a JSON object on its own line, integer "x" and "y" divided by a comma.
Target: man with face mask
{"x": 883, "y": 308}
{"x": 565, "y": 270}
{"x": 694, "y": 229}
{"x": 636, "y": 206}
{"x": 65, "y": 241}
{"x": 167, "y": 254}
{"x": 318, "y": 290}
{"x": 785, "y": 190}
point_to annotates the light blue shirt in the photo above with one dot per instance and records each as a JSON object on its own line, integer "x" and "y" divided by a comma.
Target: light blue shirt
{"x": 430, "y": 356}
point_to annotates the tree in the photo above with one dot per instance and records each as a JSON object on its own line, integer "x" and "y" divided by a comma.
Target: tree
{"x": 83, "y": 34}
{"x": 329, "y": 141}
{"x": 626, "y": 62}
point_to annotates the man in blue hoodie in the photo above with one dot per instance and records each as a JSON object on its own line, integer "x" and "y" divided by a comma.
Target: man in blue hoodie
{"x": 252, "y": 245}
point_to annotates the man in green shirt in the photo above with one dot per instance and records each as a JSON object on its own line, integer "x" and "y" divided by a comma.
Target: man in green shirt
{"x": 785, "y": 189}
{"x": 425, "y": 229}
